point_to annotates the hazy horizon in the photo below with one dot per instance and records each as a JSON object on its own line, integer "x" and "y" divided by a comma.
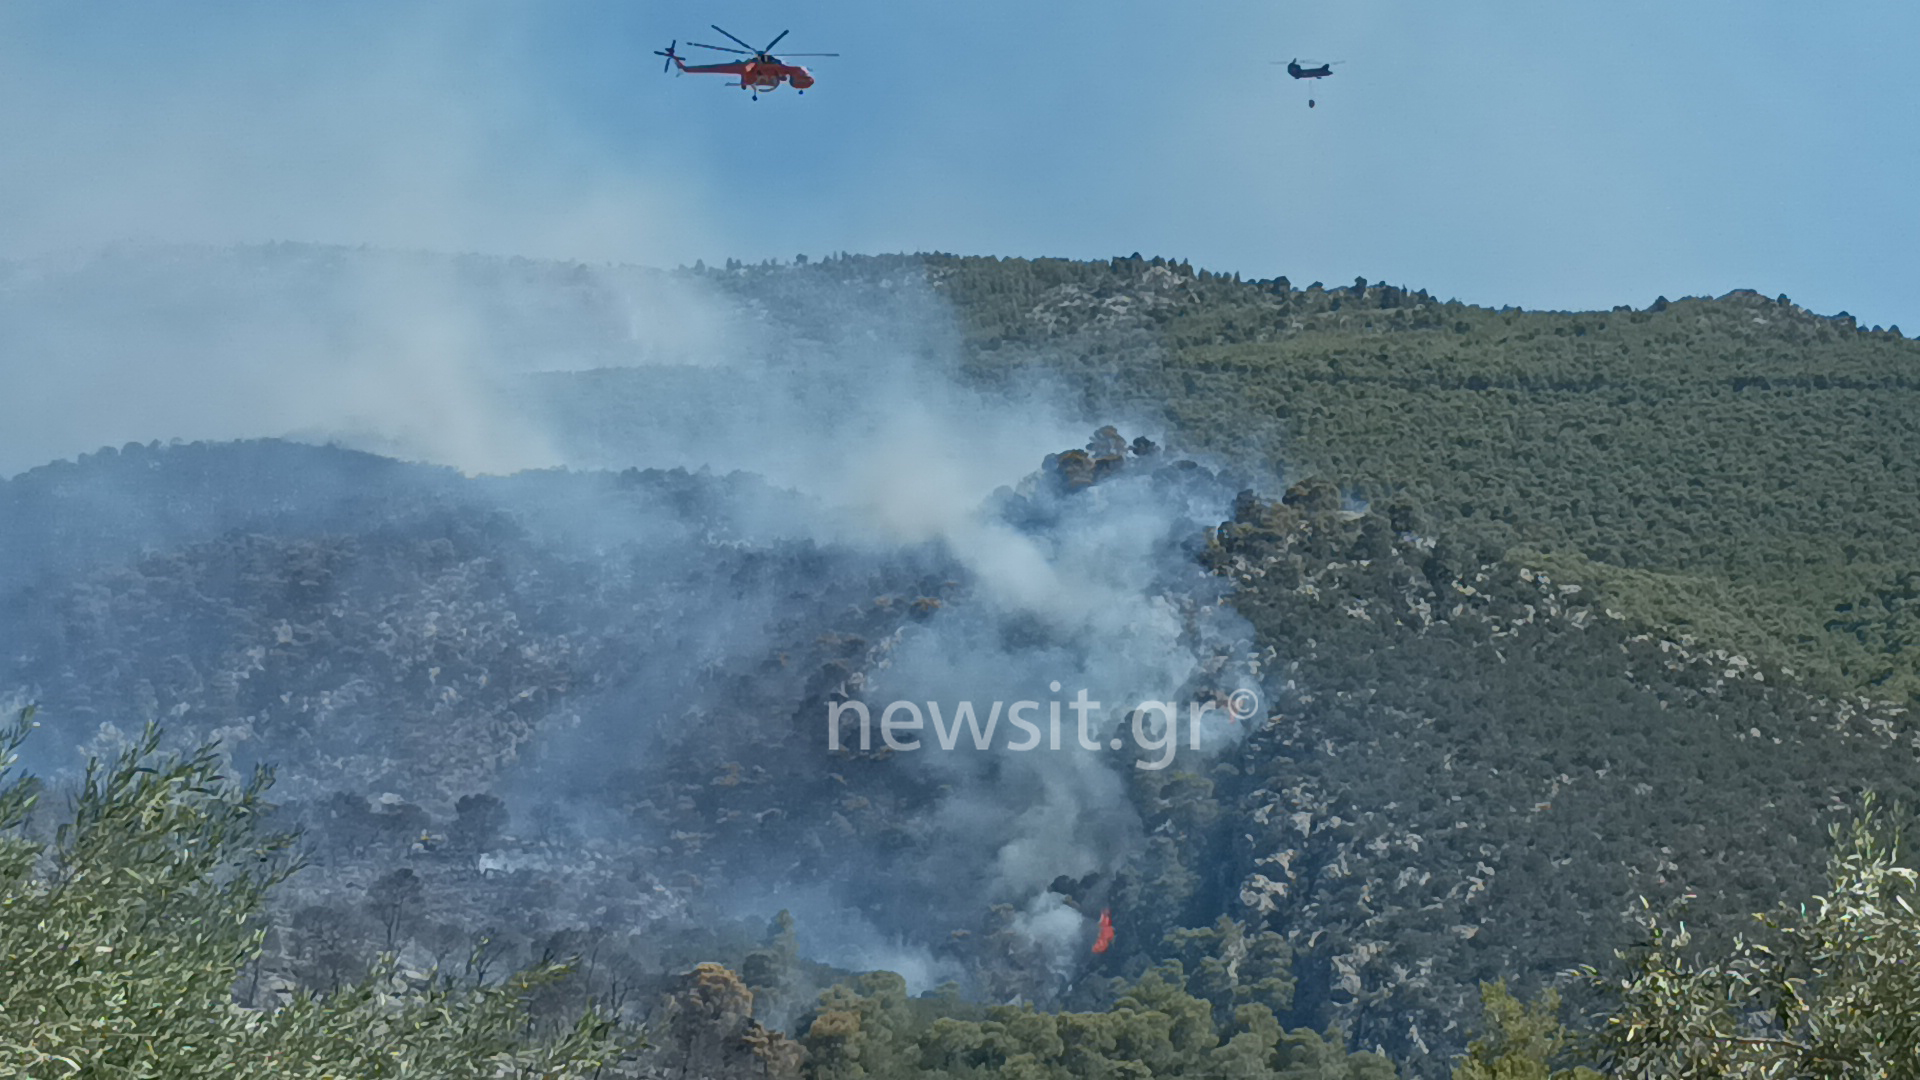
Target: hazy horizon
{"x": 1552, "y": 159}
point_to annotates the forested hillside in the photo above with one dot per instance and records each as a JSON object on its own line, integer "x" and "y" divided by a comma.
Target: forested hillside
{"x": 1547, "y": 613}
{"x": 1738, "y": 468}
{"x": 1470, "y": 770}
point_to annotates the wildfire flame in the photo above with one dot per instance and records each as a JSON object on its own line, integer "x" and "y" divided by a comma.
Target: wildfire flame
{"x": 1105, "y": 939}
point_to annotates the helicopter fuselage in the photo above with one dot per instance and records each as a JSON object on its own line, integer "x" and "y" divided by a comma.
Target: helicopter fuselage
{"x": 758, "y": 75}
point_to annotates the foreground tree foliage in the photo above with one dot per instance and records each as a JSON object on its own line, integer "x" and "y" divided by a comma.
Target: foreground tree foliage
{"x": 871, "y": 1030}
{"x": 1521, "y": 1041}
{"x": 1830, "y": 989}
{"x": 123, "y": 939}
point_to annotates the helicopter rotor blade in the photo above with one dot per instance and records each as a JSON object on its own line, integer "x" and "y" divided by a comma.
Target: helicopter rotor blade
{"x": 811, "y": 54}
{"x": 719, "y": 48}
{"x": 775, "y": 41}
{"x": 730, "y": 37}
{"x": 669, "y": 54}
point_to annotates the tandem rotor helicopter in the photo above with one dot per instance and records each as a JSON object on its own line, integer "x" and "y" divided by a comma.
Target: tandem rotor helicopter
{"x": 761, "y": 71}
{"x": 1319, "y": 71}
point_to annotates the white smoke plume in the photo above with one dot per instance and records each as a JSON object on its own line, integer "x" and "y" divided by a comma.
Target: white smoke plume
{"x": 843, "y": 390}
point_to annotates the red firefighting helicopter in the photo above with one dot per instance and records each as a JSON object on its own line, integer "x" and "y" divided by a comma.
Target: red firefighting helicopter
{"x": 761, "y": 71}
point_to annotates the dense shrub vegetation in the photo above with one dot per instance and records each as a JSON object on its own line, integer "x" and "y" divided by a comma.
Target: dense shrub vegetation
{"x": 1736, "y": 467}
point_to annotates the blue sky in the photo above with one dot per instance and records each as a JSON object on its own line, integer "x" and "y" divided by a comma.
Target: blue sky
{"x": 1546, "y": 155}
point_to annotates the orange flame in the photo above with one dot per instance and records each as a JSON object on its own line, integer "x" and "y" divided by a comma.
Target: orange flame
{"x": 1106, "y": 932}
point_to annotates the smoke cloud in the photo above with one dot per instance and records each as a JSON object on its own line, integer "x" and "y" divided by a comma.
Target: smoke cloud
{"x": 838, "y": 387}
{"x": 149, "y": 294}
